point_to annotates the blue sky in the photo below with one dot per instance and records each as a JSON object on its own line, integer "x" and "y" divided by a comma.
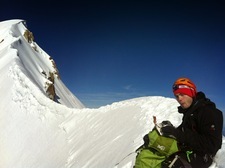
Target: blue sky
{"x": 108, "y": 51}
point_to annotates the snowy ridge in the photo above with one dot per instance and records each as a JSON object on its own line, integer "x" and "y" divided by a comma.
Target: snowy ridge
{"x": 112, "y": 132}
{"x": 37, "y": 132}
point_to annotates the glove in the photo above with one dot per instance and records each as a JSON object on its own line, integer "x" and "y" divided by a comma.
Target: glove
{"x": 169, "y": 131}
{"x": 166, "y": 123}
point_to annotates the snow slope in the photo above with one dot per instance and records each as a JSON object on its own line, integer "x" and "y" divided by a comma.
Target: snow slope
{"x": 37, "y": 132}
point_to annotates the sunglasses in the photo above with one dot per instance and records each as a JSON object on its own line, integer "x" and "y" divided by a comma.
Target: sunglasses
{"x": 175, "y": 87}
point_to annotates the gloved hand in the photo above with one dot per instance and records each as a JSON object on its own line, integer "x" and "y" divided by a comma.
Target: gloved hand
{"x": 166, "y": 123}
{"x": 169, "y": 131}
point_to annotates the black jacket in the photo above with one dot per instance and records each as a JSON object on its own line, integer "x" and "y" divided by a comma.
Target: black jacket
{"x": 201, "y": 127}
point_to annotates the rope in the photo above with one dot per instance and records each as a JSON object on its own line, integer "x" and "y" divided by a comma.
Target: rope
{"x": 124, "y": 158}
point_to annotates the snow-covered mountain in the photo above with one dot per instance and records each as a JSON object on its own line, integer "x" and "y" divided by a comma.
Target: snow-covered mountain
{"x": 19, "y": 53}
{"x": 43, "y": 125}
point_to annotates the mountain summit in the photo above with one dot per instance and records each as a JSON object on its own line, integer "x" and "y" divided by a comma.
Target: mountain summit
{"x": 31, "y": 64}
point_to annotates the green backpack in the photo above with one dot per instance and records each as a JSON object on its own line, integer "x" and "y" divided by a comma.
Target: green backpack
{"x": 157, "y": 150}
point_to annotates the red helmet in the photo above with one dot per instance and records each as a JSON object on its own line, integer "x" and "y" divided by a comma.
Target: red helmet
{"x": 185, "y": 86}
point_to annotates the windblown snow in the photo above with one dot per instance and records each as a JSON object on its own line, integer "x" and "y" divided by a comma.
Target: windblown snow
{"x": 43, "y": 125}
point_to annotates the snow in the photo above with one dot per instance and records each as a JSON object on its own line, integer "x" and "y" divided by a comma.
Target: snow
{"x": 37, "y": 132}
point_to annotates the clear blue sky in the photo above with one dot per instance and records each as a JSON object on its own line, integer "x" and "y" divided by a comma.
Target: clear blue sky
{"x": 108, "y": 51}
